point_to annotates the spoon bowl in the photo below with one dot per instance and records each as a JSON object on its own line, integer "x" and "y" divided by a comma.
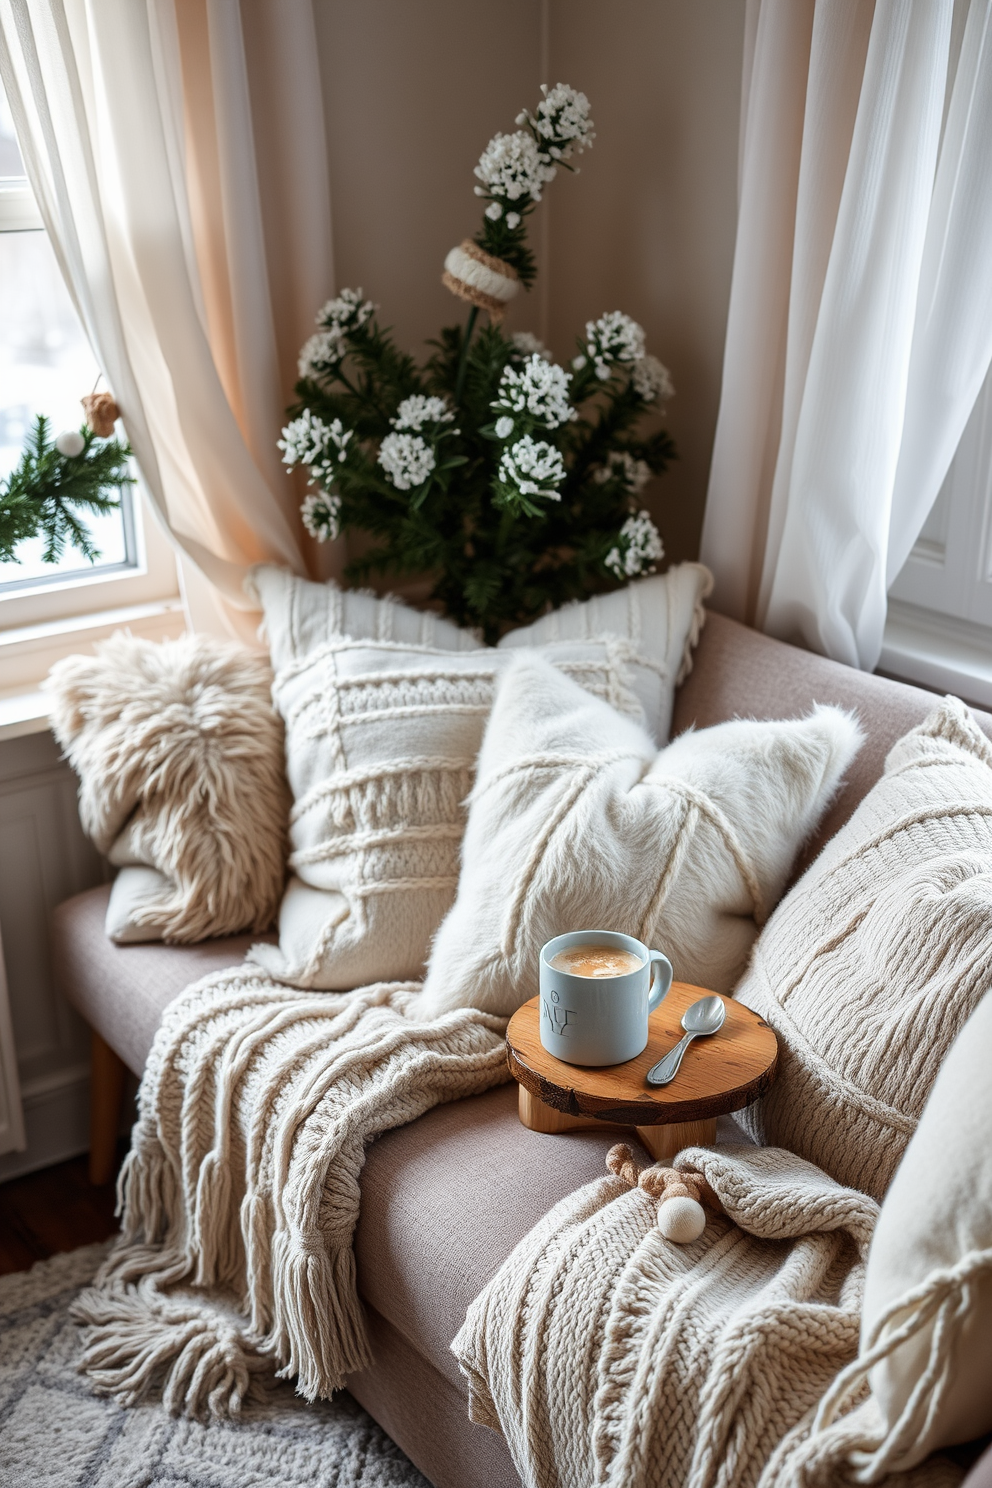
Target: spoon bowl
{"x": 706, "y": 1015}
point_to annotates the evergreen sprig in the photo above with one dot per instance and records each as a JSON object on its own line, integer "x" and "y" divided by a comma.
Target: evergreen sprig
{"x": 49, "y": 492}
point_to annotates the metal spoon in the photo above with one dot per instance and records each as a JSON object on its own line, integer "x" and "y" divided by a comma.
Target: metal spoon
{"x": 705, "y": 1016}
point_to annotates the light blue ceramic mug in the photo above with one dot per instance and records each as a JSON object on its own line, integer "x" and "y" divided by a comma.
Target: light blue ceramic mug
{"x": 599, "y": 1018}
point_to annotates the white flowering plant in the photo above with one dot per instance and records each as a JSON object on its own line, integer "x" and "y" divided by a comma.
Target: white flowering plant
{"x": 516, "y": 483}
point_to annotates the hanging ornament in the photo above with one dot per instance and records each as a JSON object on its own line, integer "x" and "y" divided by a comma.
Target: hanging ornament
{"x": 70, "y": 443}
{"x": 474, "y": 275}
{"x": 101, "y": 412}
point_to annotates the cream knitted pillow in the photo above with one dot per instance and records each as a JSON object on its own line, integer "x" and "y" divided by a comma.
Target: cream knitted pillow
{"x": 385, "y": 709}
{"x": 577, "y": 822}
{"x": 180, "y": 761}
{"x": 929, "y": 1279}
{"x": 878, "y": 955}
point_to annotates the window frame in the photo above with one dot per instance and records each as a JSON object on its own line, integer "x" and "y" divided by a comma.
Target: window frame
{"x": 143, "y": 591}
{"x": 938, "y": 629}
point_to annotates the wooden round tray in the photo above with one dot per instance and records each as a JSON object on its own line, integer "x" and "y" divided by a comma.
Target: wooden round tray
{"x": 721, "y": 1073}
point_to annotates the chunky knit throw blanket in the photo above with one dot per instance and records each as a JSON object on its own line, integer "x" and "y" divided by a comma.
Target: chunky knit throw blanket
{"x": 608, "y": 1356}
{"x": 240, "y": 1193}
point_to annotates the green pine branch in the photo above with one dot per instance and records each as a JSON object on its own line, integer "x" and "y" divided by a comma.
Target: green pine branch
{"x": 50, "y": 494}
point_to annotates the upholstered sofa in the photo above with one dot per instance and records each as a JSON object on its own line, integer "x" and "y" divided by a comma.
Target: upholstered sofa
{"x": 445, "y": 1199}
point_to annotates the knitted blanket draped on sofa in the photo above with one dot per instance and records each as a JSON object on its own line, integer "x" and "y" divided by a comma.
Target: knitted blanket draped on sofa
{"x": 608, "y": 1356}
{"x": 240, "y": 1193}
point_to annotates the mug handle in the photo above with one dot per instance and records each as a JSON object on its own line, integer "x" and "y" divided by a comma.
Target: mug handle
{"x": 662, "y": 976}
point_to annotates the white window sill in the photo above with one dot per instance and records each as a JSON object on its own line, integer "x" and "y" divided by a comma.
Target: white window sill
{"x": 939, "y": 652}
{"x": 27, "y": 654}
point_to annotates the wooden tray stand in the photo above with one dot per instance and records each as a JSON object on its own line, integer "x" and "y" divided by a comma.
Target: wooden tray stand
{"x": 719, "y": 1074}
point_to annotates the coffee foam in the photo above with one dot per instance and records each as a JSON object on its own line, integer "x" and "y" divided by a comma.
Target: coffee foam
{"x": 596, "y": 961}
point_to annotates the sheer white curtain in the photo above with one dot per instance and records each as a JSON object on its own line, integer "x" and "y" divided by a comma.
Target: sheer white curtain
{"x": 178, "y": 155}
{"x": 860, "y": 326}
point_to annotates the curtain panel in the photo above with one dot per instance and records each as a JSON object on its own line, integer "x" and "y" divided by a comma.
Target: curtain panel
{"x": 860, "y": 324}
{"x": 177, "y": 152}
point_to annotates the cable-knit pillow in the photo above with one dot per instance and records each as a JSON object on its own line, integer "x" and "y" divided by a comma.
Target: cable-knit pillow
{"x": 179, "y": 754}
{"x": 926, "y": 1325}
{"x": 878, "y": 955}
{"x": 577, "y": 822}
{"x": 385, "y": 709}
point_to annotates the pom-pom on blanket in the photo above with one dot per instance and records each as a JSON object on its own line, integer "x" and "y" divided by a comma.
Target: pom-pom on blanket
{"x": 240, "y": 1194}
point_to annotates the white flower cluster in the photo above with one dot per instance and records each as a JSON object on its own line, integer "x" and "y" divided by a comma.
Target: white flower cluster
{"x": 635, "y": 474}
{"x": 643, "y": 547}
{"x": 535, "y": 467}
{"x": 321, "y": 353}
{"x": 563, "y": 121}
{"x": 326, "y": 348}
{"x": 406, "y": 459}
{"x": 510, "y": 167}
{"x": 416, "y": 411}
{"x": 614, "y": 337}
{"x": 539, "y": 389}
{"x": 307, "y": 440}
{"x": 347, "y": 313}
{"x": 320, "y": 515}
{"x": 652, "y": 379}
{"x": 526, "y": 344}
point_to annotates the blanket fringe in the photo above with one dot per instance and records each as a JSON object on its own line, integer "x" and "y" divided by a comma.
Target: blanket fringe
{"x": 148, "y": 1190}
{"x": 194, "y": 1353}
{"x": 318, "y": 1325}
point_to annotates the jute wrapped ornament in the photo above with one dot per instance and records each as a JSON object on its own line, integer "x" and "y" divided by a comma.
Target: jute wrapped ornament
{"x": 475, "y": 276}
{"x": 101, "y": 412}
{"x": 681, "y": 1216}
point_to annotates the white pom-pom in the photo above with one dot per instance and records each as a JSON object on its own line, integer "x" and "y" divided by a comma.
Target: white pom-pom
{"x": 71, "y": 443}
{"x": 681, "y": 1220}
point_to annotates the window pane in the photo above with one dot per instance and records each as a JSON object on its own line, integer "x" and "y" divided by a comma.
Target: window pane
{"x": 46, "y": 366}
{"x": 11, "y": 163}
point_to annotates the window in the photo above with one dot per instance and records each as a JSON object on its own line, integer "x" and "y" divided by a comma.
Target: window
{"x": 939, "y": 627}
{"x": 46, "y": 365}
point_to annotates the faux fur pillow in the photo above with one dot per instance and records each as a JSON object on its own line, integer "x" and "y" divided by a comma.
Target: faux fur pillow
{"x": 385, "y": 709}
{"x": 180, "y": 761}
{"x": 577, "y": 821}
{"x": 878, "y": 955}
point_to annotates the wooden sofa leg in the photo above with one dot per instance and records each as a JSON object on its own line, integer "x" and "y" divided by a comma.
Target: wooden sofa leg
{"x": 107, "y": 1074}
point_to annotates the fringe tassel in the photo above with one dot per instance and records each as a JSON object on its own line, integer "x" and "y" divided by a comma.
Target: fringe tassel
{"x": 256, "y": 1215}
{"x": 318, "y": 1326}
{"x": 215, "y": 1238}
{"x": 148, "y": 1191}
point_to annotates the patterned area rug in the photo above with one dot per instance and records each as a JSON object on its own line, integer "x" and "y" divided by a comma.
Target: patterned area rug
{"x": 55, "y": 1434}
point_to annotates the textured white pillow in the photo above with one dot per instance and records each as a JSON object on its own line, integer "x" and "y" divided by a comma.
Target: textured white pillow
{"x": 877, "y": 957}
{"x": 384, "y": 710}
{"x": 930, "y": 1270}
{"x": 576, "y": 822}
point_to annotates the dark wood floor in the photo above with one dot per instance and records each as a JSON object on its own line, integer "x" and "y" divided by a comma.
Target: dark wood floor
{"x": 54, "y": 1210}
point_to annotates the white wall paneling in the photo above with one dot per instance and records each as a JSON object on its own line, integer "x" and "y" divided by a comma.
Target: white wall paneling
{"x": 44, "y": 858}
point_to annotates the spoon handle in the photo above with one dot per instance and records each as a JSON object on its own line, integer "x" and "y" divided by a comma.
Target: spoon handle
{"x": 664, "y": 1072}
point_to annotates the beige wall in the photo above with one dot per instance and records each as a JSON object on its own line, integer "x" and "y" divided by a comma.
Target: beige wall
{"x": 415, "y": 88}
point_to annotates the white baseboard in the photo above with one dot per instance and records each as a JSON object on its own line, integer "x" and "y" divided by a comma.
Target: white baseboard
{"x": 56, "y": 1124}
{"x": 57, "y": 1120}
